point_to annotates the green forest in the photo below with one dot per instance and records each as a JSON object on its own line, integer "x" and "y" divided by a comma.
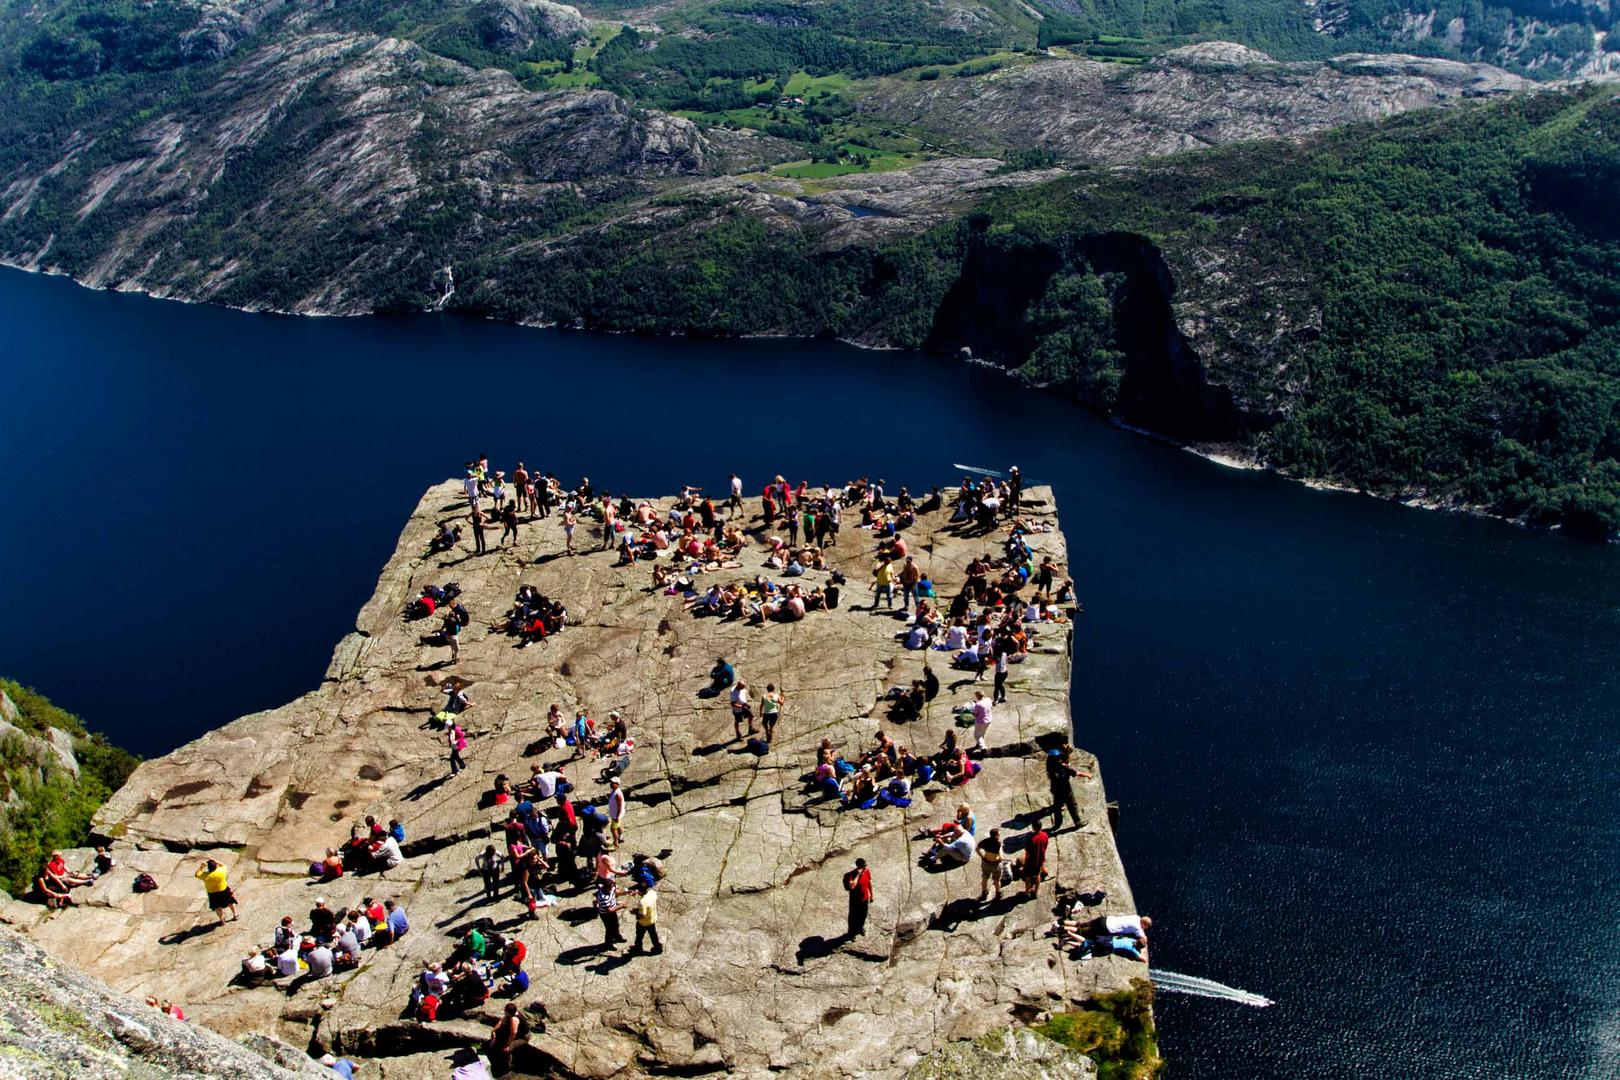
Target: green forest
{"x": 1463, "y": 265}
{"x": 51, "y": 808}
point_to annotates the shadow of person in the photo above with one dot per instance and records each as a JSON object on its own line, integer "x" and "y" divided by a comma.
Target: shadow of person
{"x": 182, "y": 936}
{"x": 580, "y": 954}
{"x": 955, "y": 913}
{"x": 815, "y": 947}
{"x": 426, "y": 788}
{"x": 610, "y": 963}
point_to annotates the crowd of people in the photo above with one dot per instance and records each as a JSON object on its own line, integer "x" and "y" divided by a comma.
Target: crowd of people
{"x": 557, "y": 841}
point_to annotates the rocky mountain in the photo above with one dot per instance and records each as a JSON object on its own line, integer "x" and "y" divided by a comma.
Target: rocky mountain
{"x": 1187, "y": 99}
{"x": 515, "y": 158}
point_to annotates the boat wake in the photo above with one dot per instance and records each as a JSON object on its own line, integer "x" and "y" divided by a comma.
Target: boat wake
{"x": 1176, "y": 983}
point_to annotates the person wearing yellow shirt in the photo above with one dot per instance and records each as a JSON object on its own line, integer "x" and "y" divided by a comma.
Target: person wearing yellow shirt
{"x": 647, "y": 920}
{"x": 220, "y": 896}
{"x": 883, "y": 584}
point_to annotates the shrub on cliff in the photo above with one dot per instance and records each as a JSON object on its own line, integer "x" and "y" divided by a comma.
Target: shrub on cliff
{"x": 47, "y": 806}
{"x": 1116, "y": 1031}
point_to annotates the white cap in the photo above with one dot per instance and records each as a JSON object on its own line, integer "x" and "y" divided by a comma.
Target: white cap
{"x": 328, "y": 1060}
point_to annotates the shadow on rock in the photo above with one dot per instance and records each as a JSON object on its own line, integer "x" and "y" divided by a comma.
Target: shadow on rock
{"x": 181, "y": 936}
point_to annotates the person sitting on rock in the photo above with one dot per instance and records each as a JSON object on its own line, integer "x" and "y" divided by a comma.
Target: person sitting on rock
{"x": 467, "y": 991}
{"x": 386, "y": 853}
{"x": 322, "y": 921}
{"x": 431, "y": 983}
{"x": 346, "y": 952}
{"x": 897, "y": 792}
{"x": 449, "y": 536}
{"x": 52, "y": 893}
{"x": 58, "y": 868}
{"x": 953, "y": 846}
{"x": 256, "y": 968}
{"x": 329, "y": 868}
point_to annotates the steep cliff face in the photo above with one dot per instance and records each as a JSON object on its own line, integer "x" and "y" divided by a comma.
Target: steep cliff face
{"x": 753, "y": 980}
{"x": 56, "y": 1021}
{"x": 319, "y": 173}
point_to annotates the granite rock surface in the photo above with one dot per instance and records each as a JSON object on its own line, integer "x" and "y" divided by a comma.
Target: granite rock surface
{"x": 753, "y": 979}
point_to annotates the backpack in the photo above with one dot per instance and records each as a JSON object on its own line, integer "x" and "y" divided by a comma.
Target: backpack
{"x": 435, "y": 592}
{"x": 144, "y": 883}
{"x": 428, "y": 1007}
{"x": 450, "y": 591}
{"x": 461, "y": 615}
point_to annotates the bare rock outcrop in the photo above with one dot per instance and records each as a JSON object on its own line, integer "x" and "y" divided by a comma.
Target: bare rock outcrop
{"x": 56, "y": 1021}
{"x": 324, "y": 132}
{"x": 1192, "y": 97}
{"x": 753, "y": 980}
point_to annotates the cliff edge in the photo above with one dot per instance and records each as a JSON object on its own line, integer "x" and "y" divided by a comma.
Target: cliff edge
{"x": 753, "y": 979}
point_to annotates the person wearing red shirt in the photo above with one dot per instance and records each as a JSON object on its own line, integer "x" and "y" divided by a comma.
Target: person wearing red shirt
{"x": 858, "y": 883}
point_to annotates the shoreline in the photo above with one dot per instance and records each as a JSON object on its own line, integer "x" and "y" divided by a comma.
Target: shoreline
{"x": 1227, "y": 457}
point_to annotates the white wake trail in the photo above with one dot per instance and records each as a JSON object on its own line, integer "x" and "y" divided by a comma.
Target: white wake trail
{"x": 1176, "y": 983}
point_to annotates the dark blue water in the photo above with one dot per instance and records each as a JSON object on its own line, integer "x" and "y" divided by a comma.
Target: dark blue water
{"x": 1366, "y": 754}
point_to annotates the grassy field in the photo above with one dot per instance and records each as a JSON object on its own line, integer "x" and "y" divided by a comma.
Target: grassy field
{"x": 876, "y": 161}
{"x": 803, "y": 84}
{"x": 555, "y": 72}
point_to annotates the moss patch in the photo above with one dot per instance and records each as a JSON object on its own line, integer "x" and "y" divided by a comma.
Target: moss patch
{"x": 1116, "y": 1031}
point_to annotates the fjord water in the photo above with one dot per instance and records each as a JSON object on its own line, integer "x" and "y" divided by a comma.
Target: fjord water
{"x": 1366, "y": 755}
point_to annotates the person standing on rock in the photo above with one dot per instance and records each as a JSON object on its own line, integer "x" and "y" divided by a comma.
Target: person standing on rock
{"x": 1060, "y": 776}
{"x": 909, "y": 576}
{"x": 220, "y": 896}
{"x": 1002, "y": 648}
{"x": 450, "y": 633}
{"x": 470, "y": 484}
{"x": 521, "y": 490}
{"x": 858, "y": 883}
{"x": 456, "y": 736}
{"x": 478, "y": 529}
{"x": 1015, "y": 489}
{"x": 607, "y": 908}
{"x": 990, "y": 856}
{"x": 608, "y": 532}
{"x": 569, "y": 521}
{"x": 615, "y": 810}
{"x": 770, "y": 711}
{"x": 509, "y": 523}
{"x": 1032, "y": 867}
{"x": 741, "y": 710}
{"x": 734, "y": 503}
{"x": 647, "y": 920}
{"x": 883, "y": 583}
{"x": 981, "y": 719}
